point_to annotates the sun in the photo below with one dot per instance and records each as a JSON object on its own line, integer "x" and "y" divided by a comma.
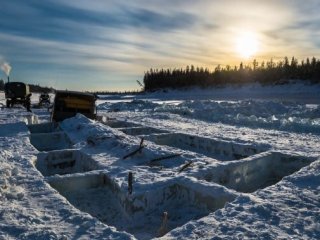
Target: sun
{"x": 246, "y": 45}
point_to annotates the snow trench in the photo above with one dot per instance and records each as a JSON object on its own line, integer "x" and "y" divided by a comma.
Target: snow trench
{"x": 154, "y": 208}
{"x": 64, "y": 162}
{"x": 44, "y": 127}
{"x": 50, "y": 141}
{"x": 132, "y": 128}
{"x": 135, "y": 131}
{"x": 257, "y": 172}
{"x": 119, "y": 124}
{"x": 145, "y": 214}
{"x": 48, "y": 137}
{"x": 217, "y": 149}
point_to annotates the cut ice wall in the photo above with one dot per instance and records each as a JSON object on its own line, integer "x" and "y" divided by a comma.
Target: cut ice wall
{"x": 141, "y": 213}
{"x": 217, "y": 149}
{"x": 256, "y": 173}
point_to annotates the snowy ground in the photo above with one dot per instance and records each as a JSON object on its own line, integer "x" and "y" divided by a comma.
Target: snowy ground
{"x": 232, "y": 163}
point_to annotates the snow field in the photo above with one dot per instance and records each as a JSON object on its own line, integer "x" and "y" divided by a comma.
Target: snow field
{"x": 286, "y": 115}
{"x": 207, "y": 170}
{"x": 225, "y": 170}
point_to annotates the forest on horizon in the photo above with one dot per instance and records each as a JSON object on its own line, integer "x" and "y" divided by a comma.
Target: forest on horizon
{"x": 265, "y": 73}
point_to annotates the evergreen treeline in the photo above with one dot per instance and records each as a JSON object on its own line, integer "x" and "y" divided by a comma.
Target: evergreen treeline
{"x": 116, "y": 92}
{"x": 40, "y": 89}
{"x": 269, "y": 72}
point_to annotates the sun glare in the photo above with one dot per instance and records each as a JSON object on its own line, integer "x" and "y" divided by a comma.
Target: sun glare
{"x": 246, "y": 45}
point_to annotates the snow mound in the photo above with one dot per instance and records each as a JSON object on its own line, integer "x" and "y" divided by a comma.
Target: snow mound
{"x": 287, "y": 116}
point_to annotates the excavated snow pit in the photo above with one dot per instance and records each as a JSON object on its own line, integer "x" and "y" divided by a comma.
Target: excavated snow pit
{"x": 50, "y": 141}
{"x": 64, "y": 162}
{"x": 44, "y": 127}
{"x": 220, "y": 150}
{"x": 143, "y": 213}
{"x": 171, "y": 160}
{"x": 120, "y": 124}
{"x": 256, "y": 173}
{"x": 135, "y": 131}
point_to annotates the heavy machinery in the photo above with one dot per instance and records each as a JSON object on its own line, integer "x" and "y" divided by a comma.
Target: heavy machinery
{"x": 68, "y": 103}
{"x": 44, "y": 100}
{"x": 17, "y": 93}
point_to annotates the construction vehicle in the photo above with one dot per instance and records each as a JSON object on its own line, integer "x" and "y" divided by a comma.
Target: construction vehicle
{"x": 44, "y": 100}
{"x": 17, "y": 93}
{"x": 68, "y": 103}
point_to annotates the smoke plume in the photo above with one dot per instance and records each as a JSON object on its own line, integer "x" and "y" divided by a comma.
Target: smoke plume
{"x": 5, "y": 67}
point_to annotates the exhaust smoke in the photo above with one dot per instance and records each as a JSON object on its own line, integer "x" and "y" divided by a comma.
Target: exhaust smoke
{"x": 6, "y": 68}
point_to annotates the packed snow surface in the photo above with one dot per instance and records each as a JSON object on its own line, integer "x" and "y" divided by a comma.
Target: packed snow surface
{"x": 233, "y": 163}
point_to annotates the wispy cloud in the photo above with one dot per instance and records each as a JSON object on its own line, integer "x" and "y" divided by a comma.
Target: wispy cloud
{"x": 113, "y": 42}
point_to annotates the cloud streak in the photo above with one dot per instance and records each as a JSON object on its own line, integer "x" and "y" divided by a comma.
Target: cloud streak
{"x": 114, "y": 42}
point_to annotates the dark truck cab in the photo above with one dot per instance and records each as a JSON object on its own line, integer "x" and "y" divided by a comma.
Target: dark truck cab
{"x": 68, "y": 103}
{"x": 17, "y": 93}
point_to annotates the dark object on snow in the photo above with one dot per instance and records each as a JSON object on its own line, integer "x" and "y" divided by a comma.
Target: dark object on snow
{"x": 68, "y": 103}
{"x": 17, "y": 93}
{"x": 185, "y": 166}
{"x": 130, "y": 181}
{"x": 135, "y": 151}
{"x": 164, "y": 158}
{"x": 44, "y": 99}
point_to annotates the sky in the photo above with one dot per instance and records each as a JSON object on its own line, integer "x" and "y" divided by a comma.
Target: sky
{"x": 103, "y": 45}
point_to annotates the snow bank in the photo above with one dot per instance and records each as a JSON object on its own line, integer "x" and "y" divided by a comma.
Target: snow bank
{"x": 285, "y": 116}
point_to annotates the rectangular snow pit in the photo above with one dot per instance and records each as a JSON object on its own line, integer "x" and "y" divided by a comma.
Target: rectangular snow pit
{"x": 64, "y": 162}
{"x": 220, "y": 150}
{"x": 140, "y": 214}
{"x": 43, "y": 127}
{"x": 257, "y": 173}
{"x": 183, "y": 201}
{"x": 135, "y": 131}
{"x": 120, "y": 124}
{"x": 50, "y": 141}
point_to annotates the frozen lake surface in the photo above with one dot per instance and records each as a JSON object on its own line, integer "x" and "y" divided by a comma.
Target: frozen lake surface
{"x": 174, "y": 165}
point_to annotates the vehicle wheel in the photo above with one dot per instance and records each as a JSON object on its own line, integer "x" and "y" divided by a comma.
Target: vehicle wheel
{"x": 8, "y": 103}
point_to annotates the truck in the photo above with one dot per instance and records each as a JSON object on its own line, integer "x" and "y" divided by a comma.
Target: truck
{"x": 68, "y": 103}
{"x": 17, "y": 93}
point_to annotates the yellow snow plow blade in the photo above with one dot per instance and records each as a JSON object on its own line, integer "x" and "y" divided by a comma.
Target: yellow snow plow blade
{"x": 77, "y": 103}
{"x": 68, "y": 103}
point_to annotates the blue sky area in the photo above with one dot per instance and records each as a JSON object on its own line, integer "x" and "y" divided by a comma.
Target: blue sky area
{"x": 108, "y": 45}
